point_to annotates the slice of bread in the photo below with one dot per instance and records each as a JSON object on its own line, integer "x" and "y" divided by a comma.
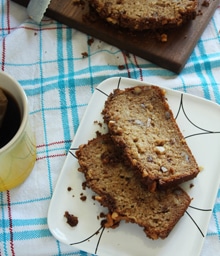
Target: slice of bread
{"x": 118, "y": 188}
{"x": 141, "y": 15}
{"x": 142, "y": 124}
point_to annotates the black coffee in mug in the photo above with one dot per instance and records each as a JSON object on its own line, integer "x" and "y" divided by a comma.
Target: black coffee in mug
{"x": 11, "y": 120}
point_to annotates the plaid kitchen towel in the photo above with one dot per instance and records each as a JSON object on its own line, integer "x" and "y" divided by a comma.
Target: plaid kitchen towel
{"x": 47, "y": 59}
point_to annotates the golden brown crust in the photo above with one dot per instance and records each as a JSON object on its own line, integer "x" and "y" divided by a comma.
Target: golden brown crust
{"x": 118, "y": 188}
{"x": 142, "y": 15}
{"x": 143, "y": 126}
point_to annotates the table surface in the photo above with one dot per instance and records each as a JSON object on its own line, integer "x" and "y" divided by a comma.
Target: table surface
{"x": 59, "y": 68}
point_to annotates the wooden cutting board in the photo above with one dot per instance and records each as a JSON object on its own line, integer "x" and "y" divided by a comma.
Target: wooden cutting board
{"x": 171, "y": 55}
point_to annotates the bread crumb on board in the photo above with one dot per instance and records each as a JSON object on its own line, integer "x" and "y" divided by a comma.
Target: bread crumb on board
{"x": 78, "y": 2}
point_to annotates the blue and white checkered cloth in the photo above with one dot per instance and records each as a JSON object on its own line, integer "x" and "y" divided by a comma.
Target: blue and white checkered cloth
{"x": 47, "y": 60}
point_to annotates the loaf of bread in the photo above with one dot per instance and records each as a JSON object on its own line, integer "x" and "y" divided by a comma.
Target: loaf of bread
{"x": 119, "y": 189}
{"x": 143, "y": 126}
{"x": 141, "y": 15}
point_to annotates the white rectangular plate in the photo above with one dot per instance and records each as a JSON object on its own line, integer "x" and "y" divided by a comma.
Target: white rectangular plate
{"x": 199, "y": 122}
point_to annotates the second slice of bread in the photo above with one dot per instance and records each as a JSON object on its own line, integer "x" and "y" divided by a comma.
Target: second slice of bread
{"x": 143, "y": 126}
{"x": 118, "y": 188}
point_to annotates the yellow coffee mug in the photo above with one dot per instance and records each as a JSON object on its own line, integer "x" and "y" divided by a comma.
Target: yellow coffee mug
{"x": 18, "y": 155}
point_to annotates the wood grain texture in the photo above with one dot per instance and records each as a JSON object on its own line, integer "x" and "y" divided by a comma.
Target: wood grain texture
{"x": 171, "y": 55}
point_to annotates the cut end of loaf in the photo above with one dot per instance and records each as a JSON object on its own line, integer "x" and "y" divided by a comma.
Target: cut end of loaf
{"x": 144, "y": 15}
